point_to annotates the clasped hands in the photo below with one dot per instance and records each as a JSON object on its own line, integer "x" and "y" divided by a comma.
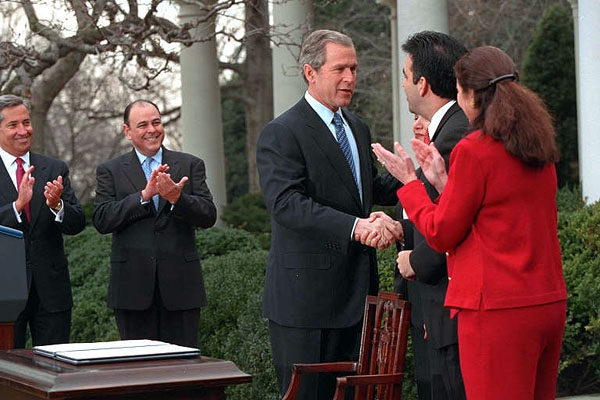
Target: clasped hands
{"x": 160, "y": 183}
{"x": 379, "y": 230}
{"x": 402, "y": 168}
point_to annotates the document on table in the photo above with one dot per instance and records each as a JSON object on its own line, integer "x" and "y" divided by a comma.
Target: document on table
{"x": 121, "y": 350}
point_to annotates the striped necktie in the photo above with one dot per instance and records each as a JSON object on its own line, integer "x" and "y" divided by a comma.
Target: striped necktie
{"x": 342, "y": 139}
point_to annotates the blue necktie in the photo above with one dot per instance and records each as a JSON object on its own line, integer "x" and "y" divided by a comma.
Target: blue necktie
{"x": 147, "y": 166}
{"x": 342, "y": 139}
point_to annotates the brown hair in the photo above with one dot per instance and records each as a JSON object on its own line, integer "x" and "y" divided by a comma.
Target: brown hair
{"x": 508, "y": 111}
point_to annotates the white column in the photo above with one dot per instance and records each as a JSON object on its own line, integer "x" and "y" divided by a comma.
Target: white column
{"x": 415, "y": 16}
{"x": 396, "y": 67}
{"x": 201, "y": 103}
{"x": 292, "y": 19}
{"x": 586, "y": 14}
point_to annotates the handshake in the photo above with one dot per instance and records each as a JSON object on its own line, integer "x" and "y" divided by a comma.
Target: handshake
{"x": 379, "y": 231}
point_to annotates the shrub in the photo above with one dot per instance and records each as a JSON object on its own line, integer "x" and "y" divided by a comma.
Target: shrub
{"x": 249, "y": 213}
{"x": 249, "y": 346}
{"x": 230, "y": 281}
{"x": 89, "y": 264}
{"x": 232, "y": 326}
{"x": 580, "y": 241}
{"x": 88, "y": 210}
{"x": 569, "y": 199}
{"x": 549, "y": 70}
{"x": 220, "y": 241}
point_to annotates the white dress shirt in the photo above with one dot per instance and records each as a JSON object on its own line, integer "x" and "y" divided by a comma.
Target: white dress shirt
{"x": 10, "y": 163}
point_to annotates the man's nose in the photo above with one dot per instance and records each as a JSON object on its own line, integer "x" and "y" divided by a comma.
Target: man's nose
{"x": 349, "y": 75}
{"x": 22, "y": 130}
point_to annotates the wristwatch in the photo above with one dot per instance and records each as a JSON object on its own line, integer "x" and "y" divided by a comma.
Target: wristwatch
{"x": 58, "y": 206}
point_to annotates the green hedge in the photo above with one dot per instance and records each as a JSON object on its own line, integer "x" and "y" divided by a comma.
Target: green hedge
{"x": 232, "y": 326}
{"x": 579, "y": 235}
{"x": 89, "y": 264}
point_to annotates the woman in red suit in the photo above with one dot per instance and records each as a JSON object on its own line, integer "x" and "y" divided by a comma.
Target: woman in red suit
{"x": 496, "y": 219}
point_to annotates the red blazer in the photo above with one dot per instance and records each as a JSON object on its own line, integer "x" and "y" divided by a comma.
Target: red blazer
{"x": 496, "y": 219}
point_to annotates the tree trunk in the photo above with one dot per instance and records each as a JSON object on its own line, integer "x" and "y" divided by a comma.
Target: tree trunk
{"x": 258, "y": 82}
{"x": 45, "y": 90}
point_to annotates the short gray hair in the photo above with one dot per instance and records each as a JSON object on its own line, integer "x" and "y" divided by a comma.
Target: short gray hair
{"x": 10, "y": 100}
{"x": 313, "y": 47}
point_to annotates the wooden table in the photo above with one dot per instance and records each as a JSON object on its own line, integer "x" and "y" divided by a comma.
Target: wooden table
{"x": 25, "y": 376}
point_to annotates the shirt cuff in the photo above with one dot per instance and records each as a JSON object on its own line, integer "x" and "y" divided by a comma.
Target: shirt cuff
{"x": 353, "y": 228}
{"x": 142, "y": 202}
{"x": 17, "y": 214}
{"x": 59, "y": 215}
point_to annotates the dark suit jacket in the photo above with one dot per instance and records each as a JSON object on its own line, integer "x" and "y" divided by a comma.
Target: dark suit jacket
{"x": 45, "y": 255}
{"x": 149, "y": 244}
{"x": 316, "y": 276}
{"x": 429, "y": 265}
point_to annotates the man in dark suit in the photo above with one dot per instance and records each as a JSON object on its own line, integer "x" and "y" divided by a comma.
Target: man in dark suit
{"x": 151, "y": 200}
{"x": 36, "y": 197}
{"x": 319, "y": 182}
{"x": 430, "y": 88}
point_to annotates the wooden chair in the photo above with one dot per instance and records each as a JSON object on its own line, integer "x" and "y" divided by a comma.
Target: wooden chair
{"x": 380, "y": 366}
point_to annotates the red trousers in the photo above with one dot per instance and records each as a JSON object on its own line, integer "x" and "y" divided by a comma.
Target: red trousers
{"x": 511, "y": 354}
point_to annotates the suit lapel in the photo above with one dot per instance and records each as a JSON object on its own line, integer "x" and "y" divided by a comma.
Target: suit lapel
{"x": 451, "y": 111}
{"x": 330, "y": 148}
{"x": 8, "y": 193}
{"x": 133, "y": 171}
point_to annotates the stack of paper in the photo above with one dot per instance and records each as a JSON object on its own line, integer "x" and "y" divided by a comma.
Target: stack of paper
{"x": 122, "y": 350}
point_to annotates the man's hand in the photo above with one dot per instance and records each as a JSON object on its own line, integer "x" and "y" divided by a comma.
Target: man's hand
{"x": 25, "y": 190}
{"x": 432, "y": 164}
{"x": 375, "y": 232}
{"x": 53, "y": 191}
{"x": 400, "y": 166}
{"x": 168, "y": 189}
{"x": 151, "y": 188}
{"x": 371, "y": 233}
{"x": 393, "y": 227}
{"x": 403, "y": 261}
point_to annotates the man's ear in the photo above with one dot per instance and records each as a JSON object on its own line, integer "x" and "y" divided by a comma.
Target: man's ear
{"x": 423, "y": 86}
{"x": 309, "y": 73}
{"x": 126, "y": 131}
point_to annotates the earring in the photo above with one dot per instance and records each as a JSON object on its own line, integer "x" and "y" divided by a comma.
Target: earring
{"x": 472, "y": 104}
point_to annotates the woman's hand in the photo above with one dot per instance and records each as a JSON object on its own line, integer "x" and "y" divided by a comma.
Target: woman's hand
{"x": 432, "y": 163}
{"x": 400, "y": 166}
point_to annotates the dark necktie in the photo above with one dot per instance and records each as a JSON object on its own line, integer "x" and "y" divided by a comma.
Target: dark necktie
{"x": 147, "y": 167}
{"x": 20, "y": 174}
{"x": 342, "y": 139}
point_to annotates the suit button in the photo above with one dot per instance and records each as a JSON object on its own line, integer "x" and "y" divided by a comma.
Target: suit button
{"x": 447, "y": 254}
{"x": 449, "y": 278}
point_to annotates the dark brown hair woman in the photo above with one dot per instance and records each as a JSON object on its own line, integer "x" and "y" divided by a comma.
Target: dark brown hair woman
{"x": 496, "y": 219}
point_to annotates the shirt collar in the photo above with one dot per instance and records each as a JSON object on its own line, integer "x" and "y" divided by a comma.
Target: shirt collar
{"x": 157, "y": 157}
{"x": 322, "y": 111}
{"x": 437, "y": 117}
{"x": 8, "y": 159}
